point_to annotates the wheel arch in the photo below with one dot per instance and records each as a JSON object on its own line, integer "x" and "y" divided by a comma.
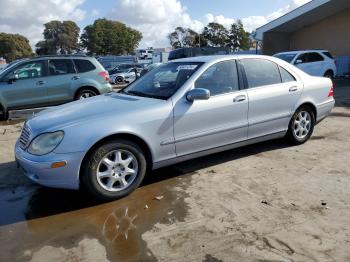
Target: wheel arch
{"x": 127, "y": 136}
{"x": 310, "y": 105}
{"x": 329, "y": 70}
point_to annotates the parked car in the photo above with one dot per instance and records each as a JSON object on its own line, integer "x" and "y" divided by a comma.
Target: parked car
{"x": 50, "y": 80}
{"x": 144, "y": 54}
{"x": 122, "y": 76}
{"x": 178, "y": 111}
{"x": 123, "y": 67}
{"x": 313, "y": 62}
{"x": 197, "y": 51}
{"x": 149, "y": 68}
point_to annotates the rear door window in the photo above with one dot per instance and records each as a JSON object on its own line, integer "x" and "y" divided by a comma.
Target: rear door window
{"x": 261, "y": 72}
{"x": 61, "y": 67}
{"x": 83, "y": 65}
{"x": 315, "y": 57}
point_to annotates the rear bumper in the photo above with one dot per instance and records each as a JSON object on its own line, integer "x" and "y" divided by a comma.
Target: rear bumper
{"x": 38, "y": 168}
{"x": 324, "y": 110}
{"x": 106, "y": 88}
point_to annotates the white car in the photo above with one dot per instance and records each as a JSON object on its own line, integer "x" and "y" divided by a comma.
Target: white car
{"x": 124, "y": 76}
{"x": 145, "y": 54}
{"x": 313, "y": 62}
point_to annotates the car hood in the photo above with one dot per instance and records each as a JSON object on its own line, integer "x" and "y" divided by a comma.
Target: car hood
{"x": 102, "y": 106}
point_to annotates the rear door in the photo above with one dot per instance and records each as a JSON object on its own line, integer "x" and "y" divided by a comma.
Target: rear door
{"x": 272, "y": 93}
{"x": 61, "y": 78}
{"x": 218, "y": 121}
{"x": 311, "y": 63}
{"x": 28, "y": 87}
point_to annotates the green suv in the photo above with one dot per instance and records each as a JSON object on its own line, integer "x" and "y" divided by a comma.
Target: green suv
{"x": 50, "y": 80}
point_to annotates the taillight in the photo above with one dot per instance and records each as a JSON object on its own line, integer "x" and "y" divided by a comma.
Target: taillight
{"x": 331, "y": 91}
{"x": 104, "y": 75}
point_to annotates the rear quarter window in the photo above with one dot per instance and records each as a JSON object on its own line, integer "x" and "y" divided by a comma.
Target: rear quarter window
{"x": 328, "y": 54}
{"x": 286, "y": 76}
{"x": 83, "y": 65}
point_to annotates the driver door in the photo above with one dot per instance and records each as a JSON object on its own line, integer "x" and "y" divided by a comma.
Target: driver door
{"x": 25, "y": 86}
{"x": 221, "y": 120}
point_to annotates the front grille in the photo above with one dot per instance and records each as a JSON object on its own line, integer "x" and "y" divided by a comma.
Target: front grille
{"x": 25, "y": 137}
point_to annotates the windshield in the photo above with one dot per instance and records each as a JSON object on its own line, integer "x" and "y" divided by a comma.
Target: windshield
{"x": 163, "y": 81}
{"x": 288, "y": 57}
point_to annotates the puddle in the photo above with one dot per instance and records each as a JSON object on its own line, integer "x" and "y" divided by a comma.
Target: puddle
{"x": 34, "y": 219}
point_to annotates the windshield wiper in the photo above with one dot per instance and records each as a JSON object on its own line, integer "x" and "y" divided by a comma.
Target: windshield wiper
{"x": 138, "y": 93}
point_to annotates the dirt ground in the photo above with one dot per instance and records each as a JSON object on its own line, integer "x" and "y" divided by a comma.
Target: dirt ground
{"x": 265, "y": 202}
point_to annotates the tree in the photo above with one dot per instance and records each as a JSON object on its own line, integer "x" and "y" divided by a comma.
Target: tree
{"x": 14, "y": 46}
{"x": 238, "y": 38}
{"x": 59, "y": 37}
{"x": 216, "y": 35}
{"x": 107, "y": 37}
{"x": 184, "y": 37}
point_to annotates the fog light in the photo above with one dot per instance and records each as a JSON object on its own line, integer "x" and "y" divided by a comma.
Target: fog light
{"x": 58, "y": 164}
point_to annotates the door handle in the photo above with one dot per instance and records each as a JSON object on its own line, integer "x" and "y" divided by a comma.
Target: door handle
{"x": 293, "y": 89}
{"x": 75, "y": 77}
{"x": 40, "y": 83}
{"x": 240, "y": 98}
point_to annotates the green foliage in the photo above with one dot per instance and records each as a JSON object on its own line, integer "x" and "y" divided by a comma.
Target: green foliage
{"x": 59, "y": 37}
{"x": 213, "y": 35}
{"x": 238, "y": 38}
{"x": 216, "y": 35}
{"x": 184, "y": 37}
{"x": 107, "y": 37}
{"x": 14, "y": 46}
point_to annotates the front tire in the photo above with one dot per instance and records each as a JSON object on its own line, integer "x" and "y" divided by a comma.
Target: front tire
{"x": 301, "y": 126}
{"x": 114, "y": 169}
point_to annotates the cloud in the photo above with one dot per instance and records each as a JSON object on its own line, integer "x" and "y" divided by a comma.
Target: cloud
{"x": 27, "y": 17}
{"x": 154, "y": 18}
{"x": 157, "y": 18}
{"x": 252, "y": 22}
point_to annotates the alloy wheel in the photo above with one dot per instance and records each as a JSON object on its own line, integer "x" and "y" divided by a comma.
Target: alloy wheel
{"x": 302, "y": 124}
{"x": 117, "y": 170}
{"x": 86, "y": 95}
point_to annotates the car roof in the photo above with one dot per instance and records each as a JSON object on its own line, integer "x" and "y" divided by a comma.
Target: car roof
{"x": 213, "y": 58}
{"x": 60, "y": 57}
{"x": 303, "y": 51}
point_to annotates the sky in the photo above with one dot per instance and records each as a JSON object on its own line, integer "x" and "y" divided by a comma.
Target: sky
{"x": 154, "y": 18}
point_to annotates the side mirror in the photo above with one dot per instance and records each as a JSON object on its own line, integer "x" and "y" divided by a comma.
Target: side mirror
{"x": 13, "y": 78}
{"x": 198, "y": 94}
{"x": 299, "y": 61}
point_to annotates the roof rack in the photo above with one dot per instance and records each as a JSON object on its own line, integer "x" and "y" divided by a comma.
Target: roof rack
{"x": 62, "y": 55}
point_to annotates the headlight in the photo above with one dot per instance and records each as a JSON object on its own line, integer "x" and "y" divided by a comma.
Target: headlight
{"x": 45, "y": 143}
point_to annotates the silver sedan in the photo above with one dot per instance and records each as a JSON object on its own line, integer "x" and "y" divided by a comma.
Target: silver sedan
{"x": 181, "y": 110}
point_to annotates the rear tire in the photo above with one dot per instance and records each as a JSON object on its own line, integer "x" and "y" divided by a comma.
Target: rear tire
{"x": 114, "y": 169}
{"x": 3, "y": 113}
{"x": 329, "y": 74}
{"x": 118, "y": 80}
{"x": 85, "y": 93}
{"x": 301, "y": 126}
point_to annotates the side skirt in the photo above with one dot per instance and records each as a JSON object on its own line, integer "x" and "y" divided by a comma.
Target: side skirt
{"x": 183, "y": 158}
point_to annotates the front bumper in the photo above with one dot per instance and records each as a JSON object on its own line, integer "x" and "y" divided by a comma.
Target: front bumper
{"x": 38, "y": 168}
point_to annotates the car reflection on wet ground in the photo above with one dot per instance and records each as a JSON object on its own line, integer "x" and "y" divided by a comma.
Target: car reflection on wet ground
{"x": 34, "y": 216}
